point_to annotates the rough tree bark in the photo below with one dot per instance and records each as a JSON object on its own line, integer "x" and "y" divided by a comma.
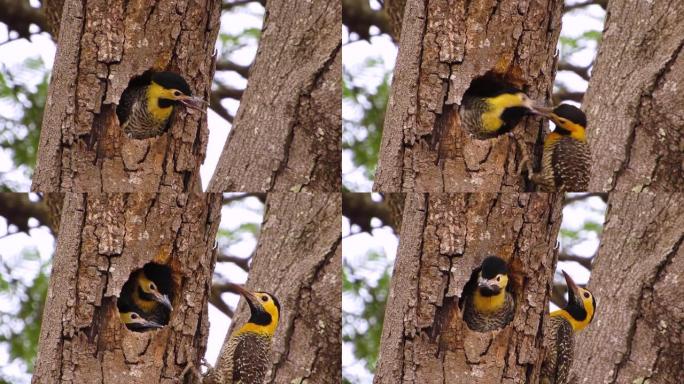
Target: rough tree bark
{"x": 286, "y": 134}
{"x": 636, "y": 278}
{"x": 299, "y": 258}
{"x": 102, "y": 45}
{"x": 443, "y": 47}
{"x": 634, "y": 101}
{"x": 443, "y": 238}
{"x": 102, "y": 239}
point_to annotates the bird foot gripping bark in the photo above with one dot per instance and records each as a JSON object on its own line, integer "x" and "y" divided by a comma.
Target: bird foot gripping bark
{"x": 525, "y": 161}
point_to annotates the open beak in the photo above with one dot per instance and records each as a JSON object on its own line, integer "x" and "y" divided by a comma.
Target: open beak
{"x": 573, "y": 289}
{"x": 163, "y": 300}
{"x": 195, "y": 103}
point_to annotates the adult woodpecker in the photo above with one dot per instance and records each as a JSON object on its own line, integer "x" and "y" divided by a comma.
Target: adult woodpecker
{"x": 492, "y": 107}
{"x": 145, "y": 106}
{"x": 488, "y": 305}
{"x": 144, "y": 296}
{"x": 247, "y": 357}
{"x": 566, "y": 160}
{"x": 559, "y": 333}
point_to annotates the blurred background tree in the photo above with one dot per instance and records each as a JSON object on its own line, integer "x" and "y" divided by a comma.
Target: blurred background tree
{"x": 369, "y": 248}
{"x": 368, "y": 60}
{"x": 27, "y": 47}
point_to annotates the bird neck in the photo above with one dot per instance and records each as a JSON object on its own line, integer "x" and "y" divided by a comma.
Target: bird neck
{"x": 577, "y": 325}
{"x": 261, "y": 330}
{"x": 489, "y": 303}
{"x": 159, "y": 107}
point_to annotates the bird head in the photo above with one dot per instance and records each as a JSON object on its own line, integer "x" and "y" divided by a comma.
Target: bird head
{"x": 170, "y": 88}
{"x": 581, "y": 304}
{"x": 493, "y": 276}
{"x": 150, "y": 291}
{"x": 264, "y": 311}
{"x": 569, "y": 120}
{"x": 135, "y": 322}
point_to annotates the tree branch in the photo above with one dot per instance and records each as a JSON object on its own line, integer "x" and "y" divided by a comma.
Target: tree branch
{"x": 235, "y": 3}
{"x": 17, "y": 209}
{"x": 216, "y": 300}
{"x": 360, "y": 208}
{"x": 602, "y": 3}
{"x": 358, "y": 16}
{"x": 567, "y": 95}
{"x": 582, "y": 72}
{"x": 19, "y": 15}
{"x": 238, "y": 197}
{"x": 227, "y": 65}
{"x": 243, "y": 263}
{"x": 584, "y": 261}
{"x": 573, "y": 199}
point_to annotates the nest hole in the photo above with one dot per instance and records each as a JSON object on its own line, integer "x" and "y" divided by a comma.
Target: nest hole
{"x": 145, "y": 300}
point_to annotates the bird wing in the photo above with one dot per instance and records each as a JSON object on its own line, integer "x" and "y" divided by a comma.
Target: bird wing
{"x": 565, "y": 345}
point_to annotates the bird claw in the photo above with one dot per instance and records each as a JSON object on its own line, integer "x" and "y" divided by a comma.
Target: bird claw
{"x": 190, "y": 367}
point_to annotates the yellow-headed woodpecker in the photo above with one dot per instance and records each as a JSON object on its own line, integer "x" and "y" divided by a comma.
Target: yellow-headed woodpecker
{"x": 559, "y": 333}
{"x": 566, "y": 161}
{"x": 146, "y": 105}
{"x": 247, "y": 357}
{"x": 488, "y": 304}
{"x": 492, "y": 107}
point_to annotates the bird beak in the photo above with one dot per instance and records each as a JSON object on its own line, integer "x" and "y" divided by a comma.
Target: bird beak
{"x": 249, "y": 296}
{"x": 488, "y": 284}
{"x": 164, "y": 300}
{"x": 542, "y": 110}
{"x": 195, "y": 103}
{"x": 573, "y": 289}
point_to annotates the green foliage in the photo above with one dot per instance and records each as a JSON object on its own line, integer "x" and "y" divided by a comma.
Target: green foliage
{"x": 362, "y": 135}
{"x": 233, "y": 42}
{"x": 20, "y": 327}
{"x": 364, "y": 328}
{"x": 19, "y": 135}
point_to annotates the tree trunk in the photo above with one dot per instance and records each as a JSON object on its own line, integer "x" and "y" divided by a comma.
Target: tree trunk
{"x": 298, "y": 259}
{"x": 636, "y": 279}
{"x": 103, "y": 45}
{"x": 102, "y": 239}
{"x": 286, "y": 134}
{"x": 634, "y": 101}
{"x": 443, "y": 47}
{"x": 443, "y": 238}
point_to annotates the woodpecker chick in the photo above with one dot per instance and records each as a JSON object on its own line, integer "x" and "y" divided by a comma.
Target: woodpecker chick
{"x": 247, "y": 357}
{"x": 145, "y": 109}
{"x": 489, "y": 306}
{"x": 143, "y": 296}
{"x": 559, "y": 333}
{"x": 566, "y": 161}
{"x": 492, "y": 107}
{"x": 137, "y": 323}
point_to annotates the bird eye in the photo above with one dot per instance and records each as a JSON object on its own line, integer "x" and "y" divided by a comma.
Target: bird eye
{"x": 498, "y": 278}
{"x": 134, "y": 315}
{"x": 153, "y": 287}
{"x": 586, "y": 295}
{"x": 176, "y": 93}
{"x": 264, "y": 298}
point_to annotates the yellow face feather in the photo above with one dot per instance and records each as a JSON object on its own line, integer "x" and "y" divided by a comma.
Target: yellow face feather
{"x": 491, "y": 120}
{"x": 588, "y": 303}
{"x": 577, "y": 131}
{"x": 488, "y": 304}
{"x": 269, "y": 306}
{"x": 154, "y": 93}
